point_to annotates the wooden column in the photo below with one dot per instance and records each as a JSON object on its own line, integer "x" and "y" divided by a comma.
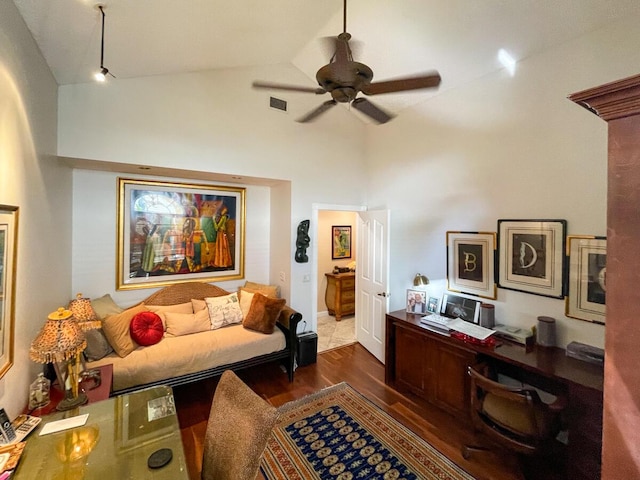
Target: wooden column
{"x": 618, "y": 103}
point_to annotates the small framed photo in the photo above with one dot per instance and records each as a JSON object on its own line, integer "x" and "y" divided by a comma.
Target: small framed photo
{"x": 587, "y": 259}
{"x": 432, "y": 305}
{"x": 531, "y": 256}
{"x": 471, "y": 263}
{"x": 341, "y": 242}
{"x": 417, "y": 301}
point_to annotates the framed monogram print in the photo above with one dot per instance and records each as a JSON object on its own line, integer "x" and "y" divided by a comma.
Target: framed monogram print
{"x": 471, "y": 263}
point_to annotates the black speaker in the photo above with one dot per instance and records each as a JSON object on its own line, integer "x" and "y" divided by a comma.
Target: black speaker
{"x": 307, "y": 348}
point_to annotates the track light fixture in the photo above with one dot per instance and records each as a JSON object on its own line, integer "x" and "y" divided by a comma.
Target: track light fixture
{"x": 101, "y": 76}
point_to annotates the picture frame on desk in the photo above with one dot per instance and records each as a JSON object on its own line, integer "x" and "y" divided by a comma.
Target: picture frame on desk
{"x": 587, "y": 260}
{"x": 531, "y": 256}
{"x": 471, "y": 263}
{"x": 416, "y": 301}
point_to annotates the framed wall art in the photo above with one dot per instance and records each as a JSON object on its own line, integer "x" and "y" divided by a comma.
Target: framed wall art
{"x": 341, "y": 242}
{"x": 471, "y": 263}
{"x": 176, "y": 232}
{"x": 531, "y": 256}
{"x": 8, "y": 258}
{"x": 587, "y": 259}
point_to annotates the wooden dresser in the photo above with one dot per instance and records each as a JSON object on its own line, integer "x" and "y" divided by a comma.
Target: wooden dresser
{"x": 340, "y": 296}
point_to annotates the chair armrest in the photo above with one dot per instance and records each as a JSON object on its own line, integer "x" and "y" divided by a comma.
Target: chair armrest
{"x": 558, "y": 405}
{"x": 289, "y": 318}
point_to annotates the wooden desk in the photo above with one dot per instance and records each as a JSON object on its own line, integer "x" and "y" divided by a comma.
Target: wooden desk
{"x": 434, "y": 367}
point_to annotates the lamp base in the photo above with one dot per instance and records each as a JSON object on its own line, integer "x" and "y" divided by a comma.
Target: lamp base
{"x": 69, "y": 403}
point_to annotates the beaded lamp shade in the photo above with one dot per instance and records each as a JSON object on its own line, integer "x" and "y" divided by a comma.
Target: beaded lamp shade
{"x": 59, "y": 340}
{"x": 84, "y": 313}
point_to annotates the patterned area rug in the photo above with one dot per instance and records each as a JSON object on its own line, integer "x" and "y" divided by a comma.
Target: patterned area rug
{"x": 337, "y": 433}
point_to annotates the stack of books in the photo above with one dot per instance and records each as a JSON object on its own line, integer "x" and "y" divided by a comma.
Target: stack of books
{"x": 437, "y": 323}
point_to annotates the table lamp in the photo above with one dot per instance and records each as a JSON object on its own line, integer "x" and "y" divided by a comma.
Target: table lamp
{"x": 420, "y": 280}
{"x": 61, "y": 342}
{"x": 84, "y": 313}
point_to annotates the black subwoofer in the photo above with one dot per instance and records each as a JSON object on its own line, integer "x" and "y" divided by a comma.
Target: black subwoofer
{"x": 307, "y": 348}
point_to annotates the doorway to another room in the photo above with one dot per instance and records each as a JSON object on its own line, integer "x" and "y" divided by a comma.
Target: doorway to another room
{"x": 336, "y": 244}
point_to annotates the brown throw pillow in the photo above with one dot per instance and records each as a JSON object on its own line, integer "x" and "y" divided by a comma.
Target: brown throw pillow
{"x": 263, "y": 313}
{"x": 116, "y": 329}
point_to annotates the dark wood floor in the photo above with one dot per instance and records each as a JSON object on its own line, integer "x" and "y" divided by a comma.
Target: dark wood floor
{"x": 356, "y": 366}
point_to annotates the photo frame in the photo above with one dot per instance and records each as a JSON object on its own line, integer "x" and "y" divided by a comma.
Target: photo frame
{"x": 8, "y": 269}
{"x": 471, "y": 263}
{"x": 587, "y": 261}
{"x": 176, "y": 232}
{"x": 531, "y": 256}
{"x": 417, "y": 301}
{"x": 340, "y": 242}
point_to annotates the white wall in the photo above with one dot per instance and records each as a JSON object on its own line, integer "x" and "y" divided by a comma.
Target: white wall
{"x": 326, "y": 219}
{"x": 212, "y": 122}
{"x": 32, "y": 179}
{"x": 502, "y": 147}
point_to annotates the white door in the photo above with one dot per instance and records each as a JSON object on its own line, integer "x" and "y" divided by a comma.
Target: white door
{"x": 372, "y": 280}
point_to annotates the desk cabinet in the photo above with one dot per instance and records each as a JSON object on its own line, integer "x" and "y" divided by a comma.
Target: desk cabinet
{"x": 432, "y": 369}
{"x": 340, "y": 296}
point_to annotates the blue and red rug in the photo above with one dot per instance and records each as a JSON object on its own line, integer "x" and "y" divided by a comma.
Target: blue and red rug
{"x": 337, "y": 433}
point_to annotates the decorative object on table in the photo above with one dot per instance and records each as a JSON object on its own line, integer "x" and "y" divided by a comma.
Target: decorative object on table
{"x": 302, "y": 242}
{"x": 12, "y": 454}
{"x": 39, "y": 392}
{"x": 531, "y": 256}
{"x": 587, "y": 260}
{"x": 420, "y": 280}
{"x": 175, "y": 232}
{"x": 367, "y": 440}
{"x": 84, "y": 313}
{"x": 340, "y": 242}
{"x": 416, "y": 301}
{"x": 487, "y": 315}
{"x": 515, "y": 334}
{"x": 546, "y": 331}
{"x": 471, "y": 263}
{"x": 61, "y": 342}
{"x": 8, "y": 259}
{"x": 586, "y": 353}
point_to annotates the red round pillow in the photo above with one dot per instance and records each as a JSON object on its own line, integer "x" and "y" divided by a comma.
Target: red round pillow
{"x": 146, "y": 328}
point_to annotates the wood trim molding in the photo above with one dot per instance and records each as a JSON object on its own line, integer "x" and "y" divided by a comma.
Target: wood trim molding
{"x": 613, "y": 100}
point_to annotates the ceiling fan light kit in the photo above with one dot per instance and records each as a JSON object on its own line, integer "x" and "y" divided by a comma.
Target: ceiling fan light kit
{"x": 345, "y": 78}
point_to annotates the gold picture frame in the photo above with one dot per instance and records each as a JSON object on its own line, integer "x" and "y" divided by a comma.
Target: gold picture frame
{"x": 587, "y": 260}
{"x": 8, "y": 262}
{"x": 175, "y": 232}
{"x": 471, "y": 263}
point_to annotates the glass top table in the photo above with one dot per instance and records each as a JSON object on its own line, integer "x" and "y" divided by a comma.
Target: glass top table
{"x": 115, "y": 442}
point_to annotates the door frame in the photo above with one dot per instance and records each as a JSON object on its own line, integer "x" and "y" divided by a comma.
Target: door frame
{"x": 313, "y": 228}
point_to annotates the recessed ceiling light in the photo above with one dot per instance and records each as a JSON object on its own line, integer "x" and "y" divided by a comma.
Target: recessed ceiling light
{"x": 507, "y": 61}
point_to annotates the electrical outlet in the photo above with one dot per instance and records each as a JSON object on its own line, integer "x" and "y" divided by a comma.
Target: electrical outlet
{"x": 283, "y": 277}
{"x": 306, "y": 278}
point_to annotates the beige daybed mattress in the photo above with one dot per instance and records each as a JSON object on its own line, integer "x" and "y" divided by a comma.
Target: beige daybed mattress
{"x": 175, "y": 356}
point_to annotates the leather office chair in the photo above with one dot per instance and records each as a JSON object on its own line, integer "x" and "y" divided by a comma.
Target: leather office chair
{"x": 513, "y": 417}
{"x": 239, "y": 426}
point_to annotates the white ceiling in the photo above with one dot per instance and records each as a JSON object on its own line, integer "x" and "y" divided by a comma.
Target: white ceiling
{"x": 459, "y": 38}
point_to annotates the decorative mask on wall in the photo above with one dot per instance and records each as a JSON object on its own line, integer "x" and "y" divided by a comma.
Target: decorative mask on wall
{"x": 302, "y": 242}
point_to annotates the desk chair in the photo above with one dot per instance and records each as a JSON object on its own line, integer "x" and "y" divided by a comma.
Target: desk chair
{"x": 239, "y": 426}
{"x": 513, "y": 417}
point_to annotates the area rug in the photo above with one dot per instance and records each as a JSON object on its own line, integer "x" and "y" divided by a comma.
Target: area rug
{"x": 337, "y": 433}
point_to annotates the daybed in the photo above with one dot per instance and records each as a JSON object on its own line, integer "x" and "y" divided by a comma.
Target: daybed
{"x": 181, "y": 359}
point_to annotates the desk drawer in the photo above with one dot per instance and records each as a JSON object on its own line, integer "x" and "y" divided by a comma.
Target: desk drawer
{"x": 348, "y": 296}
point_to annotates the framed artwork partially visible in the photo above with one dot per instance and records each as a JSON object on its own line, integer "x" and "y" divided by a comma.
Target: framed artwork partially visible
{"x": 531, "y": 256}
{"x": 175, "y": 232}
{"x": 587, "y": 278}
{"x": 8, "y": 258}
{"x": 471, "y": 263}
{"x": 417, "y": 301}
{"x": 341, "y": 242}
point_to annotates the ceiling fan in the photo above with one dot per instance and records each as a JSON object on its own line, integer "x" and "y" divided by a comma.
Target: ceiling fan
{"x": 344, "y": 78}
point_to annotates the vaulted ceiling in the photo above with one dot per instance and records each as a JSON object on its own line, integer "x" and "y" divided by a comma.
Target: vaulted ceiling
{"x": 459, "y": 38}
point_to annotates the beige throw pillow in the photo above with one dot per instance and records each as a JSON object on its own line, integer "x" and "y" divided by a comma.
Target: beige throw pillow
{"x": 245, "y": 302}
{"x": 268, "y": 290}
{"x": 187, "y": 323}
{"x": 224, "y": 310}
{"x": 178, "y": 308}
{"x": 198, "y": 305}
{"x": 105, "y": 306}
{"x": 116, "y": 329}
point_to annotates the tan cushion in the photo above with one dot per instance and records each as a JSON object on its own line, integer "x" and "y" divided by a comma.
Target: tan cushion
{"x": 268, "y": 290}
{"x": 263, "y": 313}
{"x": 105, "y": 306}
{"x": 245, "y": 303}
{"x": 240, "y": 423}
{"x": 178, "y": 308}
{"x": 186, "y": 323}
{"x": 516, "y": 416}
{"x": 224, "y": 310}
{"x": 116, "y": 329}
{"x": 198, "y": 305}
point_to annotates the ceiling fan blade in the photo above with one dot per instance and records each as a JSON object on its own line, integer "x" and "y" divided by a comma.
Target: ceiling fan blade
{"x": 403, "y": 84}
{"x": 291, "y": 88}
{"x": 314, "y": 113}
{"x": 365, "y": 106}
